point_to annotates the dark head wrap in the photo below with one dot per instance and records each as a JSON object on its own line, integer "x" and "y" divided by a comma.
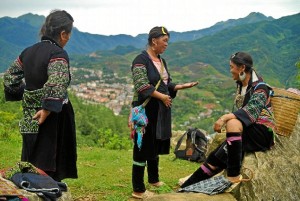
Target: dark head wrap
{"x": 242, "y": 58}
{"x": 157, "y": 32}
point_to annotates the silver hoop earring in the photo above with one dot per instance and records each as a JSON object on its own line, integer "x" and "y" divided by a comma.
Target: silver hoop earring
{"x": 242, "y": 76}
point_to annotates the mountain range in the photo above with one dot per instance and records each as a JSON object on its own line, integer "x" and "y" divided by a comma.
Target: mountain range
{"x": 18, "y": 33}
{"x": 274, "y": 43}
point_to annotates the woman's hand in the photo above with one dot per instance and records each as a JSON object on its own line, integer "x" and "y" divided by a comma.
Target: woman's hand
{"x": 219, "y": 124}
{"x": 186, "y": 85}
{"x": 41, "y": 116}
{"x": 167, "y": 100}
{"x": 130, "y": 124}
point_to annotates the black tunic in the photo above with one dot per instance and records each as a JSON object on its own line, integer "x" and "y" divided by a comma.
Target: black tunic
{"x": 52, "y": 145}
{"x": 156, "y": 139}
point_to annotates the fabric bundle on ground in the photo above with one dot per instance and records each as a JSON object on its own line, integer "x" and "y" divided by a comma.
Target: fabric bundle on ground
{"x": 43, "y": 185}
{"x": 211, "y": 186}
{"x": 28, "y": 177}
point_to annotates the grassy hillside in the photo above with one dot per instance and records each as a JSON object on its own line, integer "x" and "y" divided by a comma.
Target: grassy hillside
{"x": 103, "y": 174}
{"x": 104, "y": 152}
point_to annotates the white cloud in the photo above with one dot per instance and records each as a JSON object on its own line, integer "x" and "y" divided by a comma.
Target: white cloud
{"x": 139, "y": 16}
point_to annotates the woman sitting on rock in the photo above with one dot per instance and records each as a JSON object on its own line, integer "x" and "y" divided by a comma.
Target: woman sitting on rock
{"x": 249, "y": 127}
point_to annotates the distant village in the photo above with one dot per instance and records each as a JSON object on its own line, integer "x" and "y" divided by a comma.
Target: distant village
{"x": 92, "y": 86}
{"x": 96, "y": 89}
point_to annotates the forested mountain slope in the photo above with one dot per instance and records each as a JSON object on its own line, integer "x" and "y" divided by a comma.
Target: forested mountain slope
{"x": 18, "y": 33}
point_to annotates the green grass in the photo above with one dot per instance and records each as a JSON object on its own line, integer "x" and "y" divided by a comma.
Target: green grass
{"x": 104, "y": 174}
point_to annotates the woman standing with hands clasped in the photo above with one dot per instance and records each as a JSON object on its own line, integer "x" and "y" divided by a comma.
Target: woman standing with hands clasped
{"x": 249, "y": 127}
{"x": 148, "y": 68}
{"x": 48, "y": 125}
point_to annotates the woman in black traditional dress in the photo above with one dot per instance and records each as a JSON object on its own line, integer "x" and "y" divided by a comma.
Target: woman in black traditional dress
{"x": 147, "y": 69}
{"x": 249, "y": 127}
{"x": 40, "y": 77}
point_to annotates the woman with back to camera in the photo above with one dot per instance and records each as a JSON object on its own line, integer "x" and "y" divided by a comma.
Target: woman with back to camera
{"x": 47, "y": 126}
{"x": 148, "y": 69}
{"x": 249, "y": 127}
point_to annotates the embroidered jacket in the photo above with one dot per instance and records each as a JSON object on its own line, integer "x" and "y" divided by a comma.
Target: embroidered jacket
{"x": 39, "y": 77}
{"x": 256, "y": 107}
{"x": 146, "y": 76}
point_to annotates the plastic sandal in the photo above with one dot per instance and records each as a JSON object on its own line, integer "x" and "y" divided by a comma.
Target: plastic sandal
{"x": 157, "y": 184}
{"x": 146, "y": 194}
{"x": 241, "y": 179}
{"x": 182, "y": 180}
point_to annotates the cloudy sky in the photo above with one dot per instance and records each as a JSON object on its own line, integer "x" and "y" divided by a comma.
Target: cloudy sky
{"x": 111, "y": 17}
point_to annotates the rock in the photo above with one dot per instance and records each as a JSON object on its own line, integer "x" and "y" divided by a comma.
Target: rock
{"x": 276, "y": 173}
{"x": 66, "y": 196}
{"x": 191, "y": 197}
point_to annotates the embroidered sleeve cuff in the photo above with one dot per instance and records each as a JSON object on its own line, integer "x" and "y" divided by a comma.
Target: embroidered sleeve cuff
{"x": 147, "y": 92}
{"x": 52, "y": 105}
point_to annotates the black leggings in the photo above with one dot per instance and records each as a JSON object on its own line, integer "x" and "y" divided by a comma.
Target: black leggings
{"x": 138, "y": 169}
{"x": 254, "y": 138}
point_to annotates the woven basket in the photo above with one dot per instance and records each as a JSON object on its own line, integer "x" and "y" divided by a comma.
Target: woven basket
{"x": 286, "y": 107}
